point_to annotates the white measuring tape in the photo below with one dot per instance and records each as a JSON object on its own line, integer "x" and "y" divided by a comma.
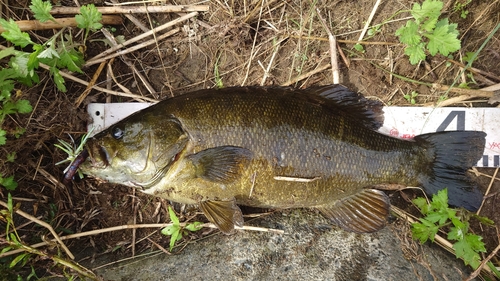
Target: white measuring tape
{"x": 401, "y": 122}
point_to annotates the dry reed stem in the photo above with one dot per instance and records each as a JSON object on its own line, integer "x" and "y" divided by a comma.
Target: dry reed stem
{"x": 91, "y": 84}
{"x": 488, "y": 189}
{"x": 26, "y": 25}
{"x": 44, "y": 224}
{"x": 492, "y": 88}
{"x": 124, "y": 227}
{"x": 133, "y": 19}
{"x": 115, "y": 93}
{"x": 132, "y": 49}
{"x": 134, "y": 9}
{"x": 333, "y": 52}
{"x": 144, "y": 35}
{"x": 306, "y": 75}
{"x": 370, "y": 18}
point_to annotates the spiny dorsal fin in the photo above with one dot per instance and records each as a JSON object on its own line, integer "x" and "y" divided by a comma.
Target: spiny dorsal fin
{"x": 222, "y": 164}
{"x": 368, "y": 112}
{"x": 364, "y": 212}
{"x": 224, "y": 214}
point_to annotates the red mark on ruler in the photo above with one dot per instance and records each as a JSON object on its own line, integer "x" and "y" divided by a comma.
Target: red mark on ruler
{"x": 494, "y": 145}
{"x": 394, "y": 132}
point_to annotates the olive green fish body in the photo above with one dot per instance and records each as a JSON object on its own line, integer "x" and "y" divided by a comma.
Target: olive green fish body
{"x": 275, "y": 148}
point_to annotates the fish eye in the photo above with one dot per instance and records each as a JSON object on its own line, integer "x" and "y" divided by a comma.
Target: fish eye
{"x": 117, "y": 133}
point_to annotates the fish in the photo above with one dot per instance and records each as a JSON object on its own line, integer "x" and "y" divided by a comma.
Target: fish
{"x": 280, "y": 148}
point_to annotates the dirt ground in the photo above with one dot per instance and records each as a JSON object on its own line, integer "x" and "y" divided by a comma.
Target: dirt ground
{"x": 261, "y": 43}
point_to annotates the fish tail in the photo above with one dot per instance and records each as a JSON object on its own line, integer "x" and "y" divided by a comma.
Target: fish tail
{"x": 451, "y": 154}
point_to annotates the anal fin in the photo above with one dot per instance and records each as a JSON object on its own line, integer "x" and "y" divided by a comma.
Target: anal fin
{"x": 224, "y": 214}
{"x": 363, "y": 212}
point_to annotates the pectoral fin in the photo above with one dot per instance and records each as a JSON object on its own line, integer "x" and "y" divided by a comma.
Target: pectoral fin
{"x": 364, "y": 212}
{"x": 222, "y": 164}
{"x": 224, "y": 214}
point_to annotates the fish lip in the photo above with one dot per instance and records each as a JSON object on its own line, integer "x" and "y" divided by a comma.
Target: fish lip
{"x": 104, "y": 155}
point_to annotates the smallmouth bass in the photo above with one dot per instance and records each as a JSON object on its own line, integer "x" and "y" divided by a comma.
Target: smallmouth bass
{"x": 280, "y": 148}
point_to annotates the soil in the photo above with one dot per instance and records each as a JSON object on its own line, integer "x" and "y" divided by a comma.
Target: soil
{"x": 230, "y": 45}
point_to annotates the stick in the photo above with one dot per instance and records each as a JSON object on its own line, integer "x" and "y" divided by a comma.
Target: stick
{"x": 306, "y": 75}
{"x": 26, "y": 25}
{"x": 90, "y": 85}
{"x": 131, "y": 49}
{"x": 134, "y": 9}
{"x": 44, "y": 224}
{"x": 122, "y": 227}
{"x": 333, "y": 51}
{"x": 144, "y": 35}
{"x": 367, "y": 24}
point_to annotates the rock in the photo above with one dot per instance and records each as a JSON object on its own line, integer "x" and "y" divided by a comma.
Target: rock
{"x": 310, "y": 249}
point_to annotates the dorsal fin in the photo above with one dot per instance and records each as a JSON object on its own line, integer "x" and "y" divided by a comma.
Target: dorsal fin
{"x": 368, "y": 112}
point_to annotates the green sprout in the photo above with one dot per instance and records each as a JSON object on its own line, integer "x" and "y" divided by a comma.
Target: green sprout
{"x": 72, "y": 150}
{"x": 176, "y": 231}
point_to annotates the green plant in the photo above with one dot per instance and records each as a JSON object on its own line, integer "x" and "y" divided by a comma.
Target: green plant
{"x": 58, "y": 52}
{"x": 176, "y": 231}
{"x": 441, "y": 36}
{"x": 72, "y": 150}
{"x": 462, "y": 8}
{"x": 437, "y": 215}
{"x": 411, "y": 97}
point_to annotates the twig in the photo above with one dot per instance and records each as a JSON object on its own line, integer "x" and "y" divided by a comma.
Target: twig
{"x": 144, "y": 35}
{"x": 134, "y": 9}
{"x": 123, "y": 227}
{"x": 252, "y": 54}
{"x": 473, "y": 69}
{"x": 90, "y": 85}
{"x": 26, "y": 25}
{"x": 305, "y": 75}
{"x": 488, "y": 189}
{"x": 85, "y": 83}
{"x": 133, "y": 19}
{"x": 268, "y": 69}
{"x": 132, "y": 49}
{"x": 44, "y": 224}
{"x": 492, "y": 88}
{"x": 333, "y": 51}
{"x": 481, "y": 266}
{"x": 143, "y": 79}
{"x": 374, "y": 10}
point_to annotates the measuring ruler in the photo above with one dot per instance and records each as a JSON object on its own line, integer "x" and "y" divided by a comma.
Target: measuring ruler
{"x": 400, "y": 122}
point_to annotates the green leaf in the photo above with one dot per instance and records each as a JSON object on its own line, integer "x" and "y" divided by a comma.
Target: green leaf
{"x": 173, "y": 216}
{"x": 195, "y": 226}
{"x": 23, "y": 106}
{"x": 13, "y": 33}
{"x": 20, "y": 64}
{"x": 430, "y": 9}
{"x": 72, "y": 60}
{"x": 424, "y": 230}
{"x": 408, "y": 34}
{"x": 41, "y": 10}
{"x": 48, "y": 53}
{"x": 468, "y": 249}
{"x": 11, "y": 157}
{"x": 442, "y": 41}
{"x": 3, "y": 139}
{"x": 9, "y": 183}
{"x": 416, "y": 53}
{"x": 89, "y": 18}
{"x": 17, "y": 259}
{"x": 169, "y": 230}
{"x": 7, "y": 52}
{"x": 421, "y": 204}
{"x": 58, "y": 79}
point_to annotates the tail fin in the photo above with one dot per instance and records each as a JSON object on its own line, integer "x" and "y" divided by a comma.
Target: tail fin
{"x": 453, "y": 152}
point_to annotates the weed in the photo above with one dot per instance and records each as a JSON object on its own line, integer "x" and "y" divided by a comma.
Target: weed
{"x": 176, "y": 231}
{"x": 411, "y": 97}
{"x": 58, "y": 52}
{"x": 442, "y": 37}
{"x": 462, "y": 8}
{"x": 438, "y": 216}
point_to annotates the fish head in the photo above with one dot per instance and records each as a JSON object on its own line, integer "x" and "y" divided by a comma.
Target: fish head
{"x": 136, "y": 151}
